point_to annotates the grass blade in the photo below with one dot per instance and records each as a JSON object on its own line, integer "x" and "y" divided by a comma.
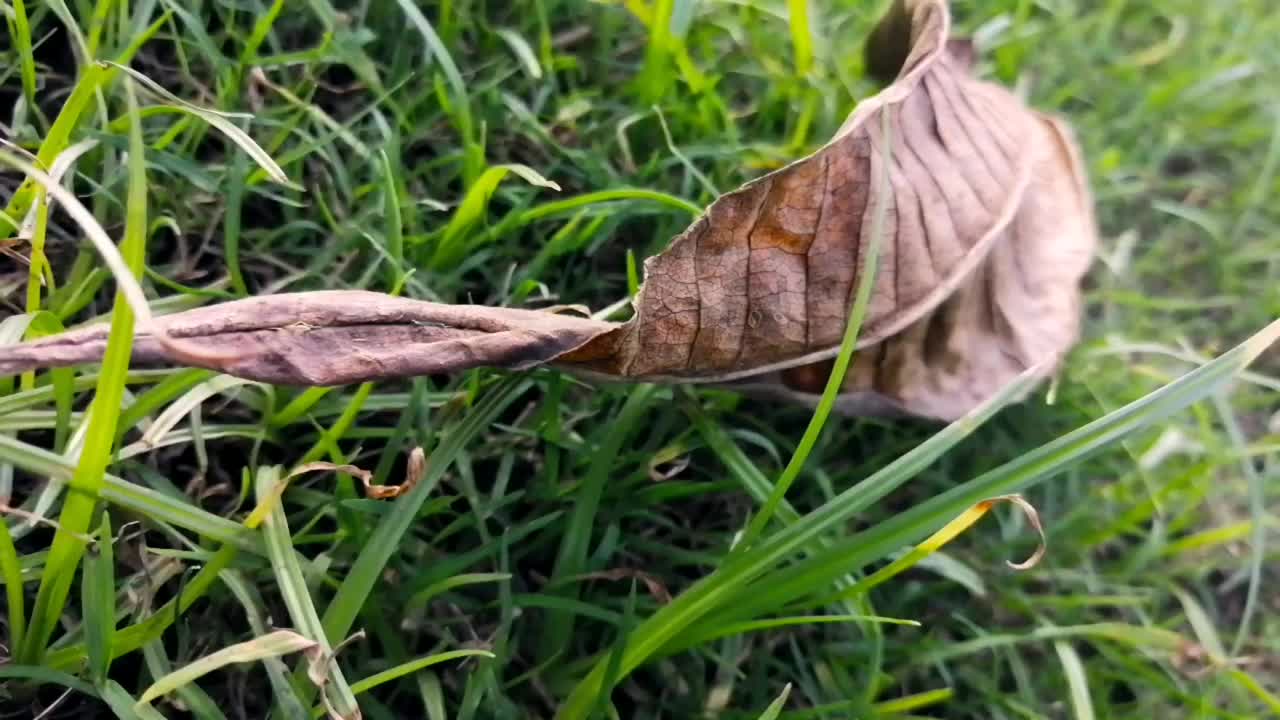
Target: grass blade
{"x": 394, "y": 221}
{"x": 1077, "y": 681}
{"x": 189, "y": 402}
{"x": 123, "y": 704}
{"x": 422, "y": 597}
{"x": 219, "y": 120}
{"x": 138, "y": 635}
{"x": 523, "y": 52}
{"x": 98, "y": 601}
{"x": 293, "y": 589}
{"x": 88, "y": 479}
{"x": 131, "y": 496}
{"x": 775, "y": 708}
{"x": 286, "y": 698}
{"x": 20, "y": 31}
{"x": 413, "y": 666}
{"x": 801, "y": 35}
{"x": 274, "y": 644}
{"x": 920, "y": 520}
{"x": 696, "y": 637}
{"x": 452, "y": 246}
{"x": 57, "y": 139}
{"x": 11, "y": 571}
{"x": 46, "y": 676}
{"x": 231, "y": 220}
{"x": 190, "y": 697}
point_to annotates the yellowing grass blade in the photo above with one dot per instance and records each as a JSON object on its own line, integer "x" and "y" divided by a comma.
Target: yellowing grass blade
{"x": 280, "y": 642}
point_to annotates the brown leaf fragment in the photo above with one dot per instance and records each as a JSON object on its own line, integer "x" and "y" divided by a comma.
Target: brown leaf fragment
{"x": 330, "y": 338}
{"x": 988, "y": 231}
{"x": 416, "y": 468}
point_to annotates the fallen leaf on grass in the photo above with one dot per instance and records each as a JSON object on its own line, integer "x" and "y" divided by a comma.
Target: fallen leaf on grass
{"x": 989, "y": 229}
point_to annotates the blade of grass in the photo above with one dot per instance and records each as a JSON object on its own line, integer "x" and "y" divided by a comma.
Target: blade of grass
{"x": 114, "y": 258}
{"x": 219, "y": 120}
{"x": 84, "y": 381}
{"x": 20, "y": 31}
{"x": 285, "y": 697}
{"x": 802, "y": 578}
{"x": 192, "y": 698}
{"x": 907, "y": 527}
{"x": 231, "y": 217}
{"x": 775, "y": 708}
{"x": 11, "y": 571}
{"x": 523, "y": 52}
{"x": 328, "y": 440}
{"x": 655, "y": 76}
{"x": 695, "y": 638}
{"x": 189, "y": 402}
{"x": 1077, "y": 680}
{"x": 98, "y": 601}
{"x": 801, "y": 36}
{"x": 413, "y": 666}
{"x": 422, "y": 597}
{"x": 274, "y": 644}
{"x": 162, "y": 393}
{"x": 1248, "y": 682}
{"x": 1258, "y": 513}
{"x": 300, "y": 405}
{"x": 97, "y": 23}
{"x": 261, "y": 28}
{"x": 294, "y": 592}
{"x": 79, "y": 45}
{"x": 759, "y": 487}
{"x": 46, "y": 676}
{"x": 38, "y": 273}
{"x": 452, "y": 246}
{"x": 123, "y": 704}
{"x": 518, "y": 219}
{"x": 1138, "y": 636}
{"x": 935, "y": 542}
{"x": 78, "y": 507}
{"x": 432, "y": 695}
{"x": 36, "y": 226}
{"x": 914, "y": 702}
{"x": 131, "y": 496}
{"x": 394, "y": 232}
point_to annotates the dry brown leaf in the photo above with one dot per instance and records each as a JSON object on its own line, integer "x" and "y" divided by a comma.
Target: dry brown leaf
{"x": 416, "y": 468}
{"x": 989, "y": 229}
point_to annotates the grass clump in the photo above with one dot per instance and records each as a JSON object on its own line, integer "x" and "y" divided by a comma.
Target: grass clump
{"x": 642, "y": 551}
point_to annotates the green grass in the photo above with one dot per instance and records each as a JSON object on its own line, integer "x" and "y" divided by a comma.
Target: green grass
{"x": 531, "y": 154}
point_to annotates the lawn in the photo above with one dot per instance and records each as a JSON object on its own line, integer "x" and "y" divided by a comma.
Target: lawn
{"x": 180, "y": 543}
